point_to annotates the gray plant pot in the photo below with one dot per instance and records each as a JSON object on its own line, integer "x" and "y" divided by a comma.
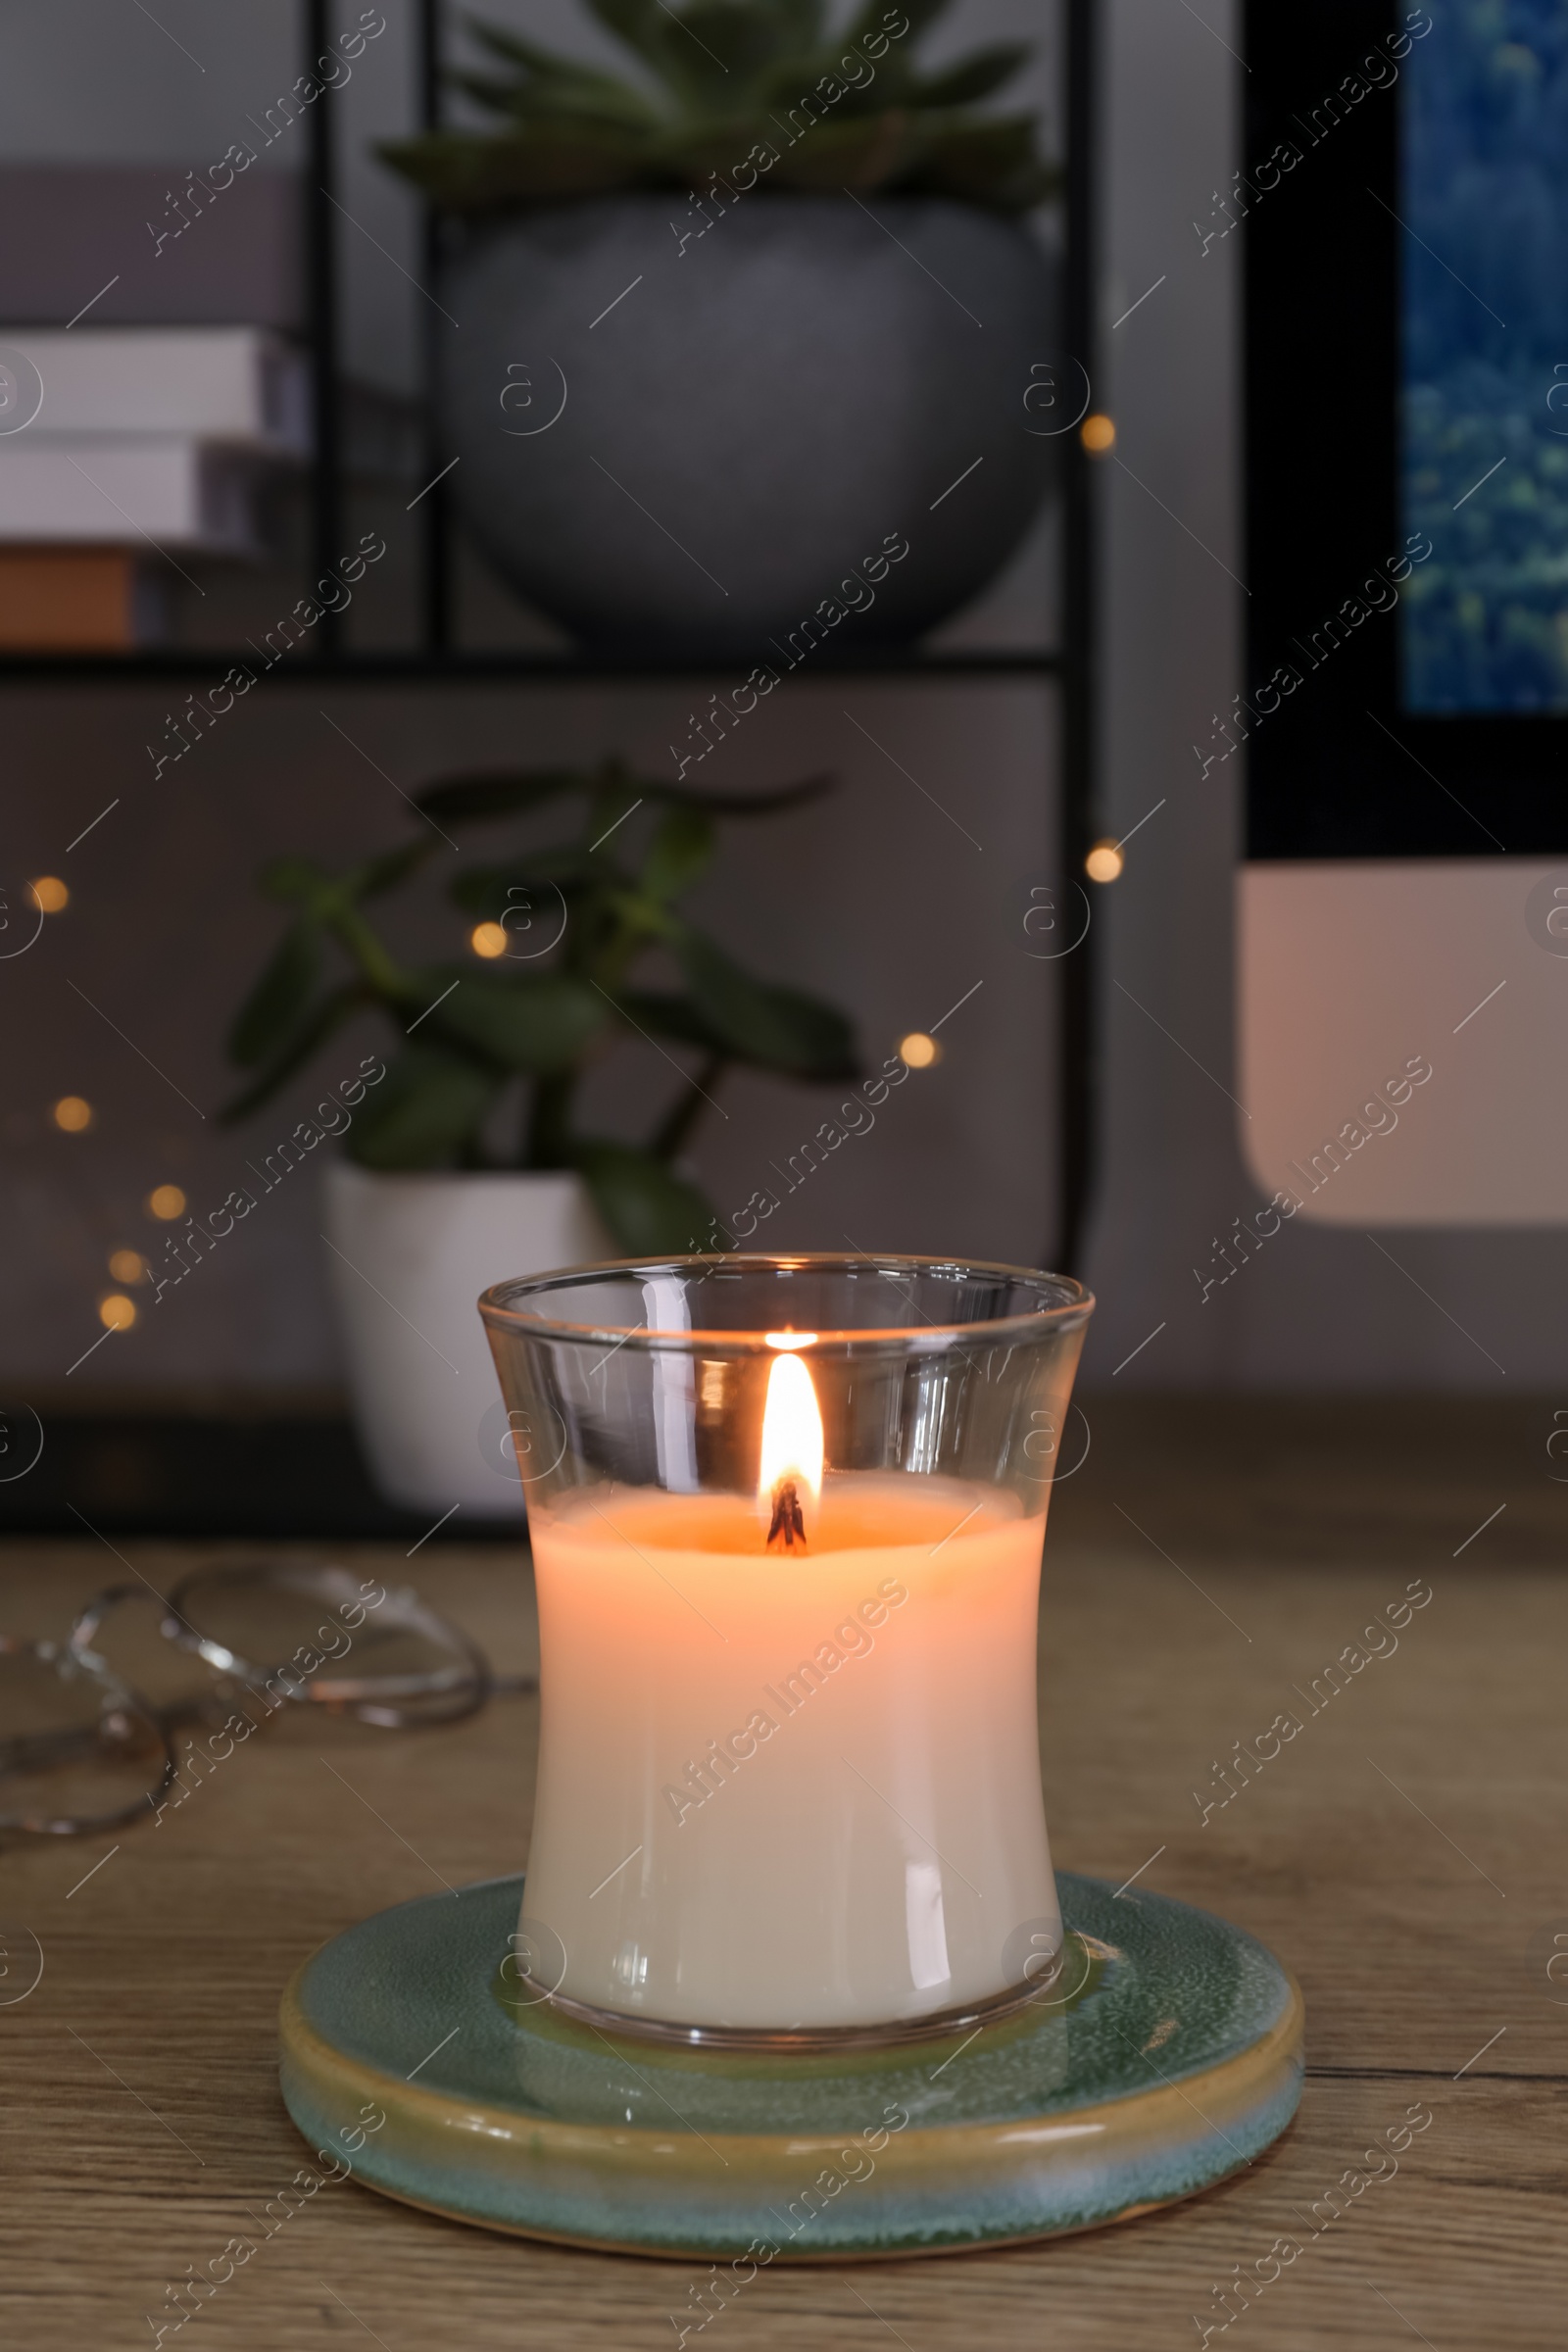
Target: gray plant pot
{"x": 692, "y": 447}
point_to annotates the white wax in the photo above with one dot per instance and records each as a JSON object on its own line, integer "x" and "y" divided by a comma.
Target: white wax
{"x": 871, "y": 1844}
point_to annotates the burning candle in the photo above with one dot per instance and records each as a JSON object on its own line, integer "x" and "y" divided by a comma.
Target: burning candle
{"x": 788, "y": 1769}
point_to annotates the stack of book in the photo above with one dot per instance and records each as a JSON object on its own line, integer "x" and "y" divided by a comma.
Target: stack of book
{"x": 152, "y": 442}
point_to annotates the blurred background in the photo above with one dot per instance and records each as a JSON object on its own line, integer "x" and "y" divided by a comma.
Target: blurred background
{"x": 902, "y": 899}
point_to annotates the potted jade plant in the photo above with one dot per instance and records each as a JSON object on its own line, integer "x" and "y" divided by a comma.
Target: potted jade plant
{"x": 727, "y": 329}
{"x": 465, "y": 1160}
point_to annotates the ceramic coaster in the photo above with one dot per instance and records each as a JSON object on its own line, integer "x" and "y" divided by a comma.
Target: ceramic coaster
{"x": 1169, "y": 2056}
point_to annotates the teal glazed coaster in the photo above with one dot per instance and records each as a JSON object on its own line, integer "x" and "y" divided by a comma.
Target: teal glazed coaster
{"x": 1172, "y": 2060}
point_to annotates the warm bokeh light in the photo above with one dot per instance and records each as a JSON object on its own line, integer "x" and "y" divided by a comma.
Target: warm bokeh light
{"x": 117, "y": 1312}
{"x": 917, "y": 1052}
{"x": 128, "y": 1265}
{"x": 51, "y": 893}
{"x": 1105, "y": 861}
{"x": 792, "y": 1432}
{"x": 488, "y": 939}
{"x": 71, "y": 1114}
{"x": 1097, "y": 434}
{"x": 166, "y": 1202}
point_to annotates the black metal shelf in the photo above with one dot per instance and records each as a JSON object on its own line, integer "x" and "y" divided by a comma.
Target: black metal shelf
{"x": 286, "y": 1478}
{"x": 1080, "y": 733}
{"x": 393, "y": 666}
{"x": 435, "y": 661}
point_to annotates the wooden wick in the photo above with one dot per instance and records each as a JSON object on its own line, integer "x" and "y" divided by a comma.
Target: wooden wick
{"x": 789, "y": 1521}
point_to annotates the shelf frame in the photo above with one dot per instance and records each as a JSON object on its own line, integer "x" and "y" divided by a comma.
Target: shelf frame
{"x": 392, "y": 666}
{"x": 1073, "y": 665}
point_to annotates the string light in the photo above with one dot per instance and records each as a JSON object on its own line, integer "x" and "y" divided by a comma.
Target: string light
{"x": 1105, "y": 861}
{"x": 51, "y": 894}
{"x": 71, "y": 1114}
{"x": 165, "y": 1202}
{"x": 117, "y": 1312}
{"x": 917, "y": 1052}
{"x": 1097, "y": 435}
{"x": 488, "y": 940}
{"x": 128, "y": 1265}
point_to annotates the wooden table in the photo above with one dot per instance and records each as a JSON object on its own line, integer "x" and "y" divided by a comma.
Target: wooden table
{"x": 1405, "y": 1854}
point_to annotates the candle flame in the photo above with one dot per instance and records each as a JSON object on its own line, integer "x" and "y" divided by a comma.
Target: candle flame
{"x": 791, "y": 1466}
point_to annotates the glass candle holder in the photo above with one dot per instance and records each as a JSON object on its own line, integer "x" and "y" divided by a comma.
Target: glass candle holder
{"x": 787, "y": 1517}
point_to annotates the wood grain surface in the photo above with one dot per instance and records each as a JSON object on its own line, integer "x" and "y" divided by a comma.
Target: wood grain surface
{"x": 1404, "y": 1853}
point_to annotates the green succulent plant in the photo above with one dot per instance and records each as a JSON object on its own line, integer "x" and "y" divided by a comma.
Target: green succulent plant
{"x": 535, "y": 1019}
{"x": 716, "y": 79}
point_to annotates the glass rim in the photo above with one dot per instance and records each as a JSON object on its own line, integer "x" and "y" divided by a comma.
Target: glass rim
{"x": 501, "y": 1313}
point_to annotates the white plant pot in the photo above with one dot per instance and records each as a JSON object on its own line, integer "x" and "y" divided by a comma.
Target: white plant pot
{"x": 410, "y": 1256}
